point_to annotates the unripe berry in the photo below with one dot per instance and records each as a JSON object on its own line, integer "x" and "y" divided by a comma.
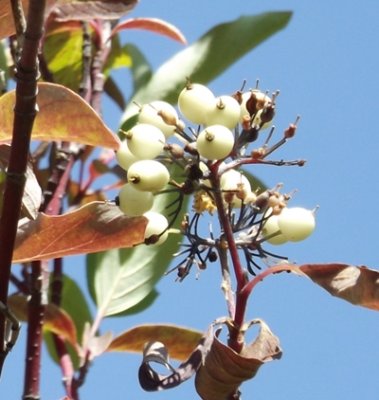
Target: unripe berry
{"x": 133, "y": 202}
{"x": 160, "y": 114}
{"x": 195, "y": 101}
{"x": 124, "y": 156}
{"x": 296, "y": 223}
{"x": 155, "y": 232}
{"x": 272, "y": 232}
{"x": 148, "y": 175}
{"x": 145, "y": 141}
{"x": 227, "y": 112}
{"x": 215, "y": 142}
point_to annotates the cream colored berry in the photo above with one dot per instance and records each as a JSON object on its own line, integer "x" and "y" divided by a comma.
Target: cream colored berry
{"x": 148, "y": 175}
{"x": 124, "y": 156}
{"x": 195, "y": 101}
{"x": 227, "y": 112}
{"x": 215, "y": 142}
{"x": 156, "y": 228}
{"x": 134, "y": 202}
{"x": 272, "y": 232}
{"x": 160, "y": 114}
{"x": 296, "y": 223}
{"x": 145, "y": 141}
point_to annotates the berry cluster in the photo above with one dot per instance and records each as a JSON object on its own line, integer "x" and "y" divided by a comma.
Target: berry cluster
{"x": 211, "y": 154}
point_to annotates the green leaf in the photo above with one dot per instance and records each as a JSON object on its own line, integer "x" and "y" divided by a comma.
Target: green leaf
{"x": 120, "y": 279}
{"x": 208, "y": 57}
{"x": 75, "y": 305}
{"x": 114, "y": 92}
{"x": 3, "y": 67}
{"x": 63, "y": 51}
{"x": 118, "y": 57}
{"x": 142, "y": 305}
{"x": 141, "y": 69}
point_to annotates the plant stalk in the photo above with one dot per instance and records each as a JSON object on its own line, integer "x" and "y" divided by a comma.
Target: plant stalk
{"x": 24, "y": 114}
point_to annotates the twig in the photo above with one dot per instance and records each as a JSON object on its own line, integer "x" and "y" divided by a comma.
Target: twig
{"x": 24, "y": 115}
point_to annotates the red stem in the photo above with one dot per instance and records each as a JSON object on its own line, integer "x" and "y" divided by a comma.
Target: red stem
{"x": 249, "y": 287}
{"x": 241, "y": 300}
{"x": 36, "y": 311}
{"x": 24, "y": 115}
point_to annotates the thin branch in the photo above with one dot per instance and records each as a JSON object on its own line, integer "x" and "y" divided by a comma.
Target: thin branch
{"x": 24, "y": 115}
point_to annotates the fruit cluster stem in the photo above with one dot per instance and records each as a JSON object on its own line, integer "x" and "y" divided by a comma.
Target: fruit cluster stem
{"x": 241, "y": 299}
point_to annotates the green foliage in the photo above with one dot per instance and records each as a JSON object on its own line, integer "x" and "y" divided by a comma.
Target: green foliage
{"x": 63, "y": 53}
{"x": 124, "y": 279}
{"x": 208, "y": 57}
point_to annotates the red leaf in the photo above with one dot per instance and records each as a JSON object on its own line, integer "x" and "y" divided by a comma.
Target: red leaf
{"x": 94, "y": 227}
{"x": 56, "y": 320}
{"x": 179, "y": 341}
{"x": 357, "y": 285}
{"x": 223, "y": 370}
{"x": 63, "y": 115}
{"x": 6, "y": 19}
{"x": 153, "y": 25}
{"x": 87, "y": 10}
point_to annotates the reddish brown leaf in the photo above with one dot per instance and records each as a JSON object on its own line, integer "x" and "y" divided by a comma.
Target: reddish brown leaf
{"x": 153, "y": 25}
{"x": 94, "y": 227}
{"x": 6, "y": 19}
{"x": 223, "y": 370}
{"x": 63, "y": 115}
{"x": 357, "y": 285}
{"x": 56, "y": 319}
{"x": 179, "y": 341}
{"x": 92, "y": 9}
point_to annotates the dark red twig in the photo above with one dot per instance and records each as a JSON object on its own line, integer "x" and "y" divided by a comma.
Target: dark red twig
{"x": 24, "y": 115}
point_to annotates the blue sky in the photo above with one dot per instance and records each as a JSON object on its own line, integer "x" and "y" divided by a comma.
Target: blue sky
{"x": 325, "y": 65}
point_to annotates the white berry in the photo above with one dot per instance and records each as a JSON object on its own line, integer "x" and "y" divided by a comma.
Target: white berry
{"x": 215, "y": 142}
{"x": 148, "y": 175}
{"x": 124, "y": 156}
{"x": 195, "y": 101}
{"x": 160, "y": 114}
{"x": 156, "y": 226}
{"x": 227, "y": 112}
{"x": 133, "y": 202}
{"x": 145, "y": 141}
{"x": 272, "y": 232}
{"x": 296, "y": 223}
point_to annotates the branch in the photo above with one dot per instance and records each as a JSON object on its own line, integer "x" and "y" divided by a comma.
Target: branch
{"x": 24, "y": 115}
{"x": 241, "y": 301}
